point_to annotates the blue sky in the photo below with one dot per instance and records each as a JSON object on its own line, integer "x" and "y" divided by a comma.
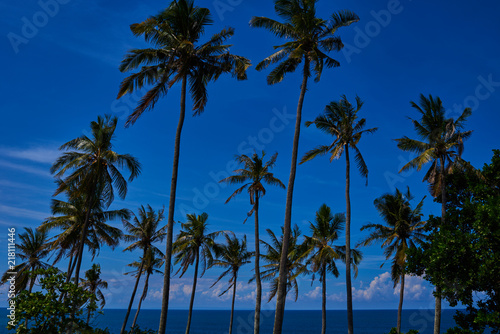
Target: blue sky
{"x": 62, "y": 72}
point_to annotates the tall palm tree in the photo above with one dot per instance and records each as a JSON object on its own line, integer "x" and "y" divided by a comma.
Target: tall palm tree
{"x": 194, "y": 244}
{"x": 95, "y": 173}
{"x": 296, "y": 265}
{"x": 308, "y": 40}
{"x": 69, "y": 217}
{"x": 340, "y": 120}
{"x": 144, "y": 231}
{"x": 441, "y": 143}
{"x": 151, "y": 265}
{"x": 32, "y": 249}
{"x": 404, "y": 229}
{"x": 252, "y": 175}
{"x": 177, "y": 56}
{"x": 231, "y": 257}
{"x": 94, "y": 283}
{"x": 325, "y": 231}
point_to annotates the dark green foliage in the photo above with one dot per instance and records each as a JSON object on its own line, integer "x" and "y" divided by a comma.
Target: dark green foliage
{"x": 464, "y": 253}
{"x": 138, "y": 330}
{"x": 45, "y": 313}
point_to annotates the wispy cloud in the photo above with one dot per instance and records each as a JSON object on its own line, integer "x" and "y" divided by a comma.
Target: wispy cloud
{"x": 44, "y": 155}
{"x": 23, "y": 213}
{"x": 26, "y": 169}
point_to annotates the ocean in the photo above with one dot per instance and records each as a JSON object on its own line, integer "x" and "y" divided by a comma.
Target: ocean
{"x": 296, "y": 322}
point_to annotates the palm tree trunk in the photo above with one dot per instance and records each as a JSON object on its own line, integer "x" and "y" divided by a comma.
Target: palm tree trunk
{"x": 82, "y": 243}
{"x": 32, "y": 283}
{"x": 281, "y": 294}
{"x": 323, "y": 304}
{"x": 235, "y": 275}
{"x": 68, "y": 274}
{"x": 258, "y": 297}
{"x": 171, "y": 205}
{"x": 437, "y": 308}
{"x": 133, "y": 295}
{"x": 143, "y": 296}
{"x": 350, "y": 322}
{"x": 193, "y": 292}
{"x": 400, "y": 307}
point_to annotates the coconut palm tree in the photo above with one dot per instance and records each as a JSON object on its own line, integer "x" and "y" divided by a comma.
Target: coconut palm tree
{"x": 253, "y": 174}
{"x": 324, "y": 232}
{"x": 32, "y": 249}
{"x": 340, "y": 120}
{"x": 69, "y": 217}
{"x": 231, "y": 257}
{"x": 296, "y": 258}
{"x": 441, "y": 143}
{"x": 95, "y": 173}
{"x": 177, "y": 56}
{"x": 404, "y": 229}
{"x": 151, "y": 265}
{"x": 144, "y": 231}
{"x": 94, "y": 283}
{"x": 194, "y": 244}
{"x": 308, "y": 40}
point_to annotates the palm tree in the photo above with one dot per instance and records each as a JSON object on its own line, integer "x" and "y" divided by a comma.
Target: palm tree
{"x": 404, "y": 229}
{"x": 296, "y": 266}
{"x": 32, "y": 250}
{"x": 151, "y": 265}
{"x": 252, "y": 175}
{"x": 231, "y": 256}
{"x": 308, "y": 40}
{"x": 70, "y": 218}
{"x": 441, "y": 144}
{"x": 94, "y": 283}
{"x": 177, "y": 56}
{"x": 95, "y": 172}
{"x": 340, "y": 120}
{"x": 143, "y": 231}
{"x": 192, "y": 245}
{"x": 325, "y": 232}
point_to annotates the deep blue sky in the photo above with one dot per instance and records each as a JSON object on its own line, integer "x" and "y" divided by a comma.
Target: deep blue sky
{"x": 58, "y": 79}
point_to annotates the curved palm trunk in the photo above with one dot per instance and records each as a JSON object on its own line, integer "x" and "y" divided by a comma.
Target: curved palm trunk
{"x": 171, "y": 205}
{"x": 82, "y": 244}
{"x": 350, "y": 322}
{"x": 323, "y": 303}
{"x": 68, "y": 273}
{"x": 143, "y": 296}
{"x": 281, "y": 294}
{"x": 437, "y": 308}
{"x": 258, "y": 297}
{"x": 193, "y": 292}
{"x": 133, "y": 295}
{"x": 235, "y": 275}
{"x": 400, "y": 308}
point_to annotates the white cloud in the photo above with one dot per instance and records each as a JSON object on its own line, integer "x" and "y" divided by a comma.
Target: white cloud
{"x": 26, "y": 169}
{"x": 23, "y": 213}
{"x": 313, "y": 294}
{"x": 37, "y": 154}
{"x": 382, "y": 288}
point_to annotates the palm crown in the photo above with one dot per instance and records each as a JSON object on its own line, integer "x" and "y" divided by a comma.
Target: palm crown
{"x": 310, "y": 38}
{"x": 145, "y": 230}
{"x": 341, "y": 121}
{"x": 325, "y": 231}
{"x": 442, "y": 141}
{"x": 175, "y": 33}
{"x": 94, "y": 164}
{"x": 404, "y": 228}
{"x": 231, "y": 256}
